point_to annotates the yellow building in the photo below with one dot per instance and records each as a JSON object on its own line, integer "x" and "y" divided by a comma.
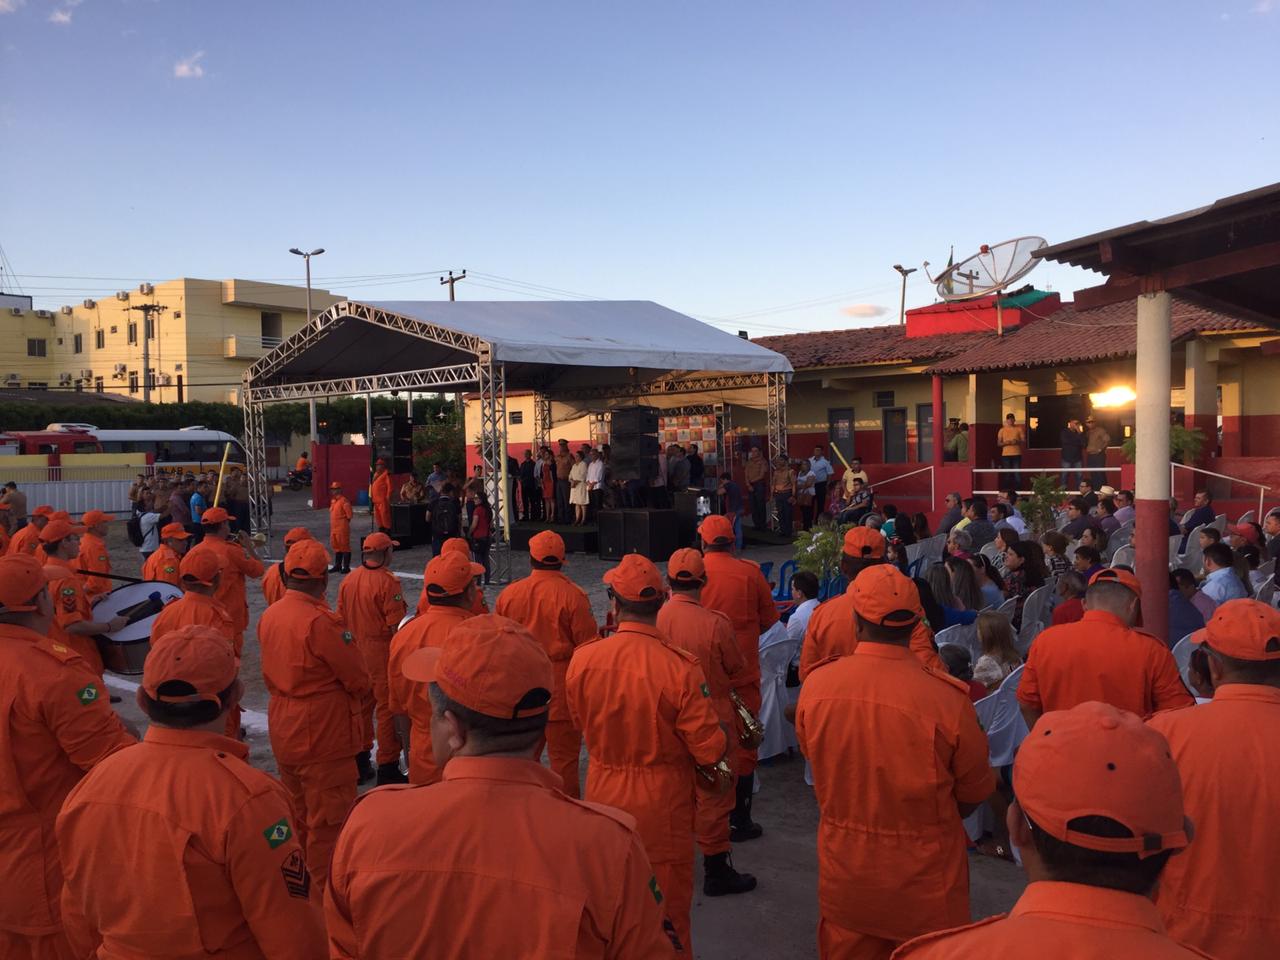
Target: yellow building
{"x": 200, "y": 341}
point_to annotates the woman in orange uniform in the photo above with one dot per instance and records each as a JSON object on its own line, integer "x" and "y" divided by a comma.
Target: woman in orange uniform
{"x": 380, "y": 496}
{"x": 339, "y": 529}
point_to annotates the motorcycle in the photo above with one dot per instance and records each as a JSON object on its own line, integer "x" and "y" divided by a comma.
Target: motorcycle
{"x": 299, "y": 479}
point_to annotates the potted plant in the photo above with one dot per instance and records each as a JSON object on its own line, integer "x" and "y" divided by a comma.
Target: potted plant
{"x": 1039, "y": 510}
{"x": 1185, "y": 446}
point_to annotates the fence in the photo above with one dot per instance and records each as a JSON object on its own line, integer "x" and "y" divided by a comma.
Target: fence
{"x": 1035, "y": 472}
{"x": 75, "y": 489}
{"x": 1262, "y": 488}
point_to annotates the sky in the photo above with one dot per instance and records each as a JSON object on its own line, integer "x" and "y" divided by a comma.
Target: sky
{"x": 761, "y": 166}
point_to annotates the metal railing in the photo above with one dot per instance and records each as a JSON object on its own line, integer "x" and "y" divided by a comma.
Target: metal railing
{"x": 878, "y": 485}
{"x": 1262, "y": 487}
{"x": 1037, "y": 471}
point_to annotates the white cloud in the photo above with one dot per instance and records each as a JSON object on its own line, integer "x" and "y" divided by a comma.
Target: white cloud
{"x": 1263, "y": 7}
{"x": 864, "y": 310}
{"x": 9, "y": 6}
{"x": 189, "y": 68}
{"x": 60, "y": 17}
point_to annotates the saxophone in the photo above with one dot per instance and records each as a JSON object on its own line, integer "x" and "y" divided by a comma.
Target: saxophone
{"x": 716, "y": 778}
{"x": 751, "y": 733}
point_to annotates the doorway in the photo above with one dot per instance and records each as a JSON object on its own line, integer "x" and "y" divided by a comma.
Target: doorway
{"x": 840, "y": 434}
{"x": 895, "y": 435}
{"x": 924, "y": 431}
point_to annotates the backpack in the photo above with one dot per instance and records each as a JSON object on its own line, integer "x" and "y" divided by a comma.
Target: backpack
{"x": 444, "y": 517}
{"x": 133, "y": 527}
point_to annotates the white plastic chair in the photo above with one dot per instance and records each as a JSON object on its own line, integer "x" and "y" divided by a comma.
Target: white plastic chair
{"x": 1124, "y": 556}
{"x": 1247, "y": 517}
{"x": 1008, "y": 608}
{"x": 990, "y": 551}
{"x": 1268, "y": 568}
{"x": 1267, "y": 590}
{"x": 1175, "y": 547}
{"x": 1182, "y": 657}
{"x": 1036, "y": 606}
{"x": 776, "y": 651}
{"x": 1220, "y": 523}
{"x": 962, "y": 635}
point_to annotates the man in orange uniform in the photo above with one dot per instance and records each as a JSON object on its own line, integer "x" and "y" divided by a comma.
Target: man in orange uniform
{"x": 449, "y": 585}
{"x": 163, "y": 564}
{"x": 380, "y": 497}
{"x": 463, "y": 549}
{"x": 224, "y": 874}
{"x": 273, "y": 581}
{"x": 93, "y": 552}
{"x": 1098, "y": 814}
{"x": 1218, "y": 896}
{"x": 528, "y": 871}
{"x": 73, "y": 622}
{"x": 340, "y": 529}
{"x": 303, "y": 463}
{"x": 239, "y": 560}
{"x": 898, "y": 761}
{"x": 28, "y": 538}
{"x": 558, "y": 614}
{"x": 1102, "y": 657}
{"x": 317, "y": 680}
{"x": 830, "y": 632}
{"x": 708, "y": 635}
{"x": 739, "y": 590}
{"x": 6, "y": 512}
{"x": 56, "y": 724}
{"x": 645, "y": 711}
{"x": 371, "y": 604}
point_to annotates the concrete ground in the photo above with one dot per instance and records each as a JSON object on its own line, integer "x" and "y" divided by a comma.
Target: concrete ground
{"x": 779, "y": 918}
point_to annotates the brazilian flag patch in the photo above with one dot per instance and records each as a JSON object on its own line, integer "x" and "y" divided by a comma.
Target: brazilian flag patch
{"x": 278, "y": 833}
{"x": 706, "y": 691}
{"x": 88, "y": 695}
{"x": 68, "y": 591}
{"x": 397, "y": 598}
{"x": 346, "y": 637}
{"x": 655, "y": 889}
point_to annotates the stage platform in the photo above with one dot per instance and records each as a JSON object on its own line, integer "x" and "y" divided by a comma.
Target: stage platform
{"x": 584, "y": 539}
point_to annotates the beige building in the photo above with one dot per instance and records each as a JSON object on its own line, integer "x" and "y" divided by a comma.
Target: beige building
{"x": 199, "y": 344}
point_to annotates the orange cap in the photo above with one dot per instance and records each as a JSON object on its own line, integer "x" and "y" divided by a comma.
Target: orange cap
{"x": 378, "y": 541}
{"x": 380, "y": 462}
{"x": 195, "y": 654}
{"x": 174, "y": 531}
{"x": 884, "y": 596}
{"x": 635, "y": 578}
{"x": 214, "y": 515}
{"x": 44, "y": 510}
{"x": 686, "y": 566}
{"x": 448, "y": 574}
{"x": 546, "y": 546}
{"x": 456, "y": 545}
{"x": 22, "y": 577}
{"x": 863, "y": 543}
{"x": 295, "y": 534}
{"x": 1122, "y": 577}
{"x": 1247, "y": 531}
{"x": 92, "y": 518}
{"x": 306, "y": 560}
{"x": 200, "y": 564}
{"x": 59, "y": 529}
{"x": 335, "y": 485}
{"x": 1095, "y": 760}
{"x": 60, "y": 515}
{"x": 489, "y": 664}
{"x": 716, "y": 528}
{"x": 1244, "y": 630}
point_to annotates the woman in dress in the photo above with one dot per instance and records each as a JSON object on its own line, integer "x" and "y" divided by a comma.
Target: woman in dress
{"x": 579, "y": 496}
{"x": 548, "y": 485}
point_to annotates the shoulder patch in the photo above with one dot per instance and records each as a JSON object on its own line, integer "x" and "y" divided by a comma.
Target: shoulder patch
{"x": 706, "y": 690}
{"x": 278, "y": 833}
{"x": 68, "y": 591}
{"x": 297, "y": 878}
{"x": 87, "y": 694}
{"x": 59, "y": 651}
{"x": 170, "y": 569}
{"x": 398, "y": 598}
{"x": 347, "y": 637}
{"x": 253, "y": 780}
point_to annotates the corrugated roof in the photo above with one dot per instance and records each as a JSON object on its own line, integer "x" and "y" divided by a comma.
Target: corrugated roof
{"x": 865, "y": 346}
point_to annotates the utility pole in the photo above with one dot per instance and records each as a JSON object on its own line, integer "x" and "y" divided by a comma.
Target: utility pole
{"x": 451, "y": 280}
{"x": 147, "y": 309}
{"x": 902, "y": 310}
{"x": 306, "y": 256}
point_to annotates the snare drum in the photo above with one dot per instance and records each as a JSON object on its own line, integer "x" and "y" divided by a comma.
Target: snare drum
{"x": 125, "y": 651}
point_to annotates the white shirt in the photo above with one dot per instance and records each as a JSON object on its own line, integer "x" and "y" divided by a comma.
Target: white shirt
{"x": 595, "y": 474}
{"x": 1223, "y": 585}
{"x": 149, "y": 524}
{"x": 1018, "y": 524}
{"x": 798, "y": 622}
{"x": 821, "y": 468}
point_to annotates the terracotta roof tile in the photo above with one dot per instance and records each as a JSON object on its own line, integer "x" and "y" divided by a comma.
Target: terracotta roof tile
{"x": 870, "y": 345}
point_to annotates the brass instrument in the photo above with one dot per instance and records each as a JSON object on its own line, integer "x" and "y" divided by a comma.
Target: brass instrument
{"x": 751, "y": 732}
{"x": 717, "y": 778}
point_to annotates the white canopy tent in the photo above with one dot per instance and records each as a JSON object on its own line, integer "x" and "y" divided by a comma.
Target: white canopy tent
{"x": 579, "y": 354}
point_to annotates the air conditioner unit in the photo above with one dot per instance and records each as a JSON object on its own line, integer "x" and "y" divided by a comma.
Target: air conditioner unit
{"x": 146, "y": 289}
{"x": 44, "y": 314}
{"x": 177, "y": 368}
{"x": 86, "y": 374}
{"x": 64, "y": 379}
{"x": 119, "y": 370}
{"x": 165, "y": 379}
{"x": 17, "y": 311}
{"x": 122, "y": 294}
{"x": 90, "y": 304}
{"x": 12, "y": 377}
{"x": 67, "y": 311}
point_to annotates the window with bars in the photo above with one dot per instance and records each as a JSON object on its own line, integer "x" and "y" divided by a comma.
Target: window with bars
{"x": 37, "y": 348}
{"x": 77, "y": 343}
{"x": 99, "y": 339}
{"x": 132, "y": 333}
{"x": 133, "y": 379}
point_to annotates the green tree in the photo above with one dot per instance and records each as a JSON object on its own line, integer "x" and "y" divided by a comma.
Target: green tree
{"x": 1185, "y": 445}
{"x": 1039, "y": 509}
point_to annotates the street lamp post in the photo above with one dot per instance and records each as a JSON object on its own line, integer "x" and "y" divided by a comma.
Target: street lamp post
{"x": 902, "y": 310}
{"x": 306, "y": 256}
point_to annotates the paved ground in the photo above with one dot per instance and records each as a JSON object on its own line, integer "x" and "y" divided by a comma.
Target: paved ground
{"x": 779, "y": 919}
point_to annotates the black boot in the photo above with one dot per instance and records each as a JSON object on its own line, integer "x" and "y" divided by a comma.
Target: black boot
{"x": 346, "y": 563}
{"x": 741, "y": 827}
{"x": 364, "y": 768}
{"x": 337, "y": 563}
{"x": 390, "y": 773}
{"x": 720, "y": 879}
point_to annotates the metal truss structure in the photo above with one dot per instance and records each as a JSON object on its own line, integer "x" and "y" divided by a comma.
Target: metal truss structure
{"x": 541, "y": 420}
{"x": 776, "y": 385}
{"x": 668, "y": 386}
{"x": 493, "y": 450}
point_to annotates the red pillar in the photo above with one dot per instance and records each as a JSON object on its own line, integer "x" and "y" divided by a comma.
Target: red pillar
{"x": 1151, "y": 482}
{"x": 938, "y": 421}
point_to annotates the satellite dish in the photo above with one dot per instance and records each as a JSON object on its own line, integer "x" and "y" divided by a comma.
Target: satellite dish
{"x": 990, "y": 270}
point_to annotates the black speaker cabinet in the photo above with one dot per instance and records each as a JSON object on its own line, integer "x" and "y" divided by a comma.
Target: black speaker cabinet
{"x": 686, "y": 508}
{"x": 650, "y": 533}
{"x": 633, "y": 447}
{"x": 643, "y": 469}
{"x": 393, "y": 442}
{"x": 409, "y": 524}
{"x": 626, "y": 421}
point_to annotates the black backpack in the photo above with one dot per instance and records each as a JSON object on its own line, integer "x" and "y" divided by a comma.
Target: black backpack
{"x": 133, "y": 527}
{"x": 445, "y": 513}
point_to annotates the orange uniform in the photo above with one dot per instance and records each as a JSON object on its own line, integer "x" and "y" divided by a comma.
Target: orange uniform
{"x": 317, "y": 680}
{"x": 55, "y": 723}
{"x": 194, "y": 609}
{"x": 371, "y": 604}
{"x": 739, "y": 590}
{"x": 236, "y": 565}
{"x": 162, "y": 565}
{"x": 380, "y": 496}
{"x": 409, "y": 699}
{"x": 340, "y": 523}
{"x": 25, "y": 540}
{"x": 1099, "y": 658}
{"x": 534, "y": 873}
{"x": 94, "y": 556}
{"x": 1060, "y": 921}
{"x": 273, "y": 583}
{"x": 708, "y": 635}
{"x": 831, "y": 633}
{"x": 4, "y": 541}
{"x": 894, "y": 747}
{"x": 646, "y": 713}
{"x": 558, "y": 614}
{"x": 224, "y": 875}
{"x": 71, "y": 605}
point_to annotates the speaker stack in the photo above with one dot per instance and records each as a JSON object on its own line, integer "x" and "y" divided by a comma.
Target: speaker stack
{"x": 393, "y": 442}
{"x": 633, "y": 444}
{"x": 650, "y": 533}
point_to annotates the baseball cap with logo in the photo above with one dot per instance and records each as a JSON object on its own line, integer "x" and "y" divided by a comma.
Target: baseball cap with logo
{"x": 196, "y": 655}
{"x": 1097, "y": 761}
{"x": 306, "y": 560}
{"x": 635, "y": 579}
{"x": 1243, "y": 630}
{"x": 448, "y": 574}
{"x": 92, "y": 518}
{"x": 882, "y": 595}
{"x": 378, "y": 541}
{"x": 22, "y": 577}
{"x": 1122, "y": 577}
{"x": 214, "y": 515}
{"x": 59, "y": 529}
{"x": 295, "y": 534}
{"x": 174, "y": 531}
{"x": 686, "y": 566}
{"x": 716, "y": 528}
{"x": 546, "y": 546}
{"x": 200, "y": 565}
{"x": 863, "y": 543}
{"x": 491, "y": 665}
